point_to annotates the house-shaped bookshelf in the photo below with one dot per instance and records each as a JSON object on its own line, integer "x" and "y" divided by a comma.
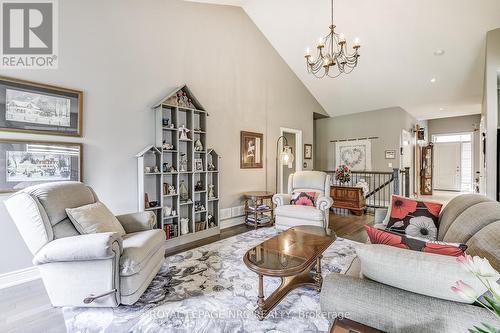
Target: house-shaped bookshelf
{"x": 183, "y": 185}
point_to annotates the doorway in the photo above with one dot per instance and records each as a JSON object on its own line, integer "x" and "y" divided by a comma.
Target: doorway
{"x": 294, "y": 139}
{"x": 452, "y": 165}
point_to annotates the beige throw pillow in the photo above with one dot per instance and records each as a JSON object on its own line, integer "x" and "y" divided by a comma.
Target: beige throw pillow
{"x": 419, "y": 272}
{"x": 94, "y": 218}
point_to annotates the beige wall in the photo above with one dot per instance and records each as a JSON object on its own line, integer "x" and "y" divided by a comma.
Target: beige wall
{"x": 459, "y": 125}
{"x": 126, "y": 55}
{"x": 385, "y": 124}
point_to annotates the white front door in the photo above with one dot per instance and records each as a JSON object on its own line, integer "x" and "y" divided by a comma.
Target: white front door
{"x": 447, "y": 161}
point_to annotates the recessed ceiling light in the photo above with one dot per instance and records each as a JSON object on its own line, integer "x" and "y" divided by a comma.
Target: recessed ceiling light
{"x": 433, "y": 80}
{"x": 438, "y": 52}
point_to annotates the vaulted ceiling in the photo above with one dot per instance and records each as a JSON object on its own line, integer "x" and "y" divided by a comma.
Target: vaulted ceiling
{"x": 399, "y": 40}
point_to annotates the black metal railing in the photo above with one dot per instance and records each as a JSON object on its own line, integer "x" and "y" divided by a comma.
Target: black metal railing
{"x": 379, "y": 186}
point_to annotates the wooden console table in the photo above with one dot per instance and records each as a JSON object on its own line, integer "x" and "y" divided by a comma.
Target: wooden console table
{"x": 348, "y": 197}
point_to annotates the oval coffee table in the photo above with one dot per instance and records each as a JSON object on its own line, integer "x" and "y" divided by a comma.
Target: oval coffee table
{"x": 290, "y": 255}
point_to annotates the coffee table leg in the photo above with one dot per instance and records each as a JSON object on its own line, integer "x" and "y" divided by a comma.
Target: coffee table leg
{"x": 260, "y": 300}
{"x": 317, "y": 277}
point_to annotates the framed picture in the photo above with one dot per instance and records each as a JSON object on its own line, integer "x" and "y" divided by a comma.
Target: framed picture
{"x": 198, "y": 164}
{"x": 39, "y": 108}
{"x": 308, "y": 151}
{"x": 390, "y": 154}
{"x": 251, "y": 148}
{"x": 26, "y": 163}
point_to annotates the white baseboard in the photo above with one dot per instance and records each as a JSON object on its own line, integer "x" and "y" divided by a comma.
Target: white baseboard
{"x": 232, "y": 222}
{"x": 19, "y": 277}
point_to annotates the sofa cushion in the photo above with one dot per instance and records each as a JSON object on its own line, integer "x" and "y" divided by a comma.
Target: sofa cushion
{"x": 94, "y": 218}
{"x": 138, "y": 248}
{"x": 300, "y": 212}
{"x": 56, "y": 197}
{"x": 415, "y": 218}
{"x": 378, "y": 236}
{"x": 419, "y": 272}
{"x": 303, "y": 198}
{"x": 485, "y": 243}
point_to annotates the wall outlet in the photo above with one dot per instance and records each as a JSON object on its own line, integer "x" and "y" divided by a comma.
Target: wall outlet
{"x": 390, "y": 165}
{"x": 225, "y": 213}
{"x": 237, "y": 211}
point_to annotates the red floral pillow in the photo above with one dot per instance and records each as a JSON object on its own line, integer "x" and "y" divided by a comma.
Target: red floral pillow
{"x": 303, "y": 198}
{"x": 414, "y": 218}
{"x": 378, "y": 236}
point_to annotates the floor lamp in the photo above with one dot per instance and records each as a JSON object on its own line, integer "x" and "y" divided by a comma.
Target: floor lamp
{"x": 285, "y": 157}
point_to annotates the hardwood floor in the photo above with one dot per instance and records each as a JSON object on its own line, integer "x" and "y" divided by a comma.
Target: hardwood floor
{"x": 26, "y": 308}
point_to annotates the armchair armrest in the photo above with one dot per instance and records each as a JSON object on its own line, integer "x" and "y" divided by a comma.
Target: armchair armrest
{"x": 324, "y": 203}
{"x": 135, "y": 222}
{"x": 98, "y": 246}
{"x": 282, "y": 199}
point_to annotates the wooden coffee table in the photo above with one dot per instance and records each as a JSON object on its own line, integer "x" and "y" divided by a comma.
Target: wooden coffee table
{"x": 290, "y": 255}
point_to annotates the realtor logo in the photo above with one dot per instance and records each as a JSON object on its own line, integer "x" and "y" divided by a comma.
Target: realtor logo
{"x": 29, "y": 34}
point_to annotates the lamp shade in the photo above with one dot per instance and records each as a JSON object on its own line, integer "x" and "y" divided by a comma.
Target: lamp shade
{"x": 286, "y": 156}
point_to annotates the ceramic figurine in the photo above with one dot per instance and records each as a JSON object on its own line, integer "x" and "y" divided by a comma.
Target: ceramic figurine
{"x": 211, "y": 194}
{"x": 183, "y": 191}
{"x": 167, "y": 146}
{"x": 183, "y": 133}
{"x": 165, "y": 121}
{"x": 147, "y": 169}
{"x": 210, "y": 220}
{"x": 198, "y": 186}
{"x": 168, "y": 211}
{"x": 211, "y": 167}
{"x": 171, "y": 190}
{"x": 165, "y": 167}
{"x": 198, "y": 146}
{"x": 174, "y": 213}
{"x": 184, "y": 225}
{"x": 172, "y": 169}
{"x": 180, "y": 102}
{"x": 183, "y": 162}
{"x": 185, "y": 99}
{"x": 171, "y": 126}
{"x": 190, "y": 103}
{"x": 156, "y": 170}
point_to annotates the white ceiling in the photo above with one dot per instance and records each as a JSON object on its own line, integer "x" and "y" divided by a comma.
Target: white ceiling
{"x": 398, "y": 40}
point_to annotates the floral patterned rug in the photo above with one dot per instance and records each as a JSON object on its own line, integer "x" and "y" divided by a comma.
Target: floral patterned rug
{"x": 210, "y": 289}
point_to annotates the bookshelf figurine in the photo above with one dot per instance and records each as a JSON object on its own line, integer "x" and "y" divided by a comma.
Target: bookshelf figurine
{"x": 184, "y": 225}
{"x": 184, "y": 163}
{"x": 198, "y": 146}
{"x": 211, "y": 166}
{"x": 211, "y": 194}
{"x": 183, "y": 133}
{"x": 198, "y": 186}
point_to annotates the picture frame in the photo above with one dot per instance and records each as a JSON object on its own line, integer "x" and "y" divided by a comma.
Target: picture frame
{"x": 38, "y": 108}
{"x": 308, "y": 151}
{"x": 198, "y": 164}
{"x": 390, "y": 154}
{"x": 251, "y": 150}
{"x": 25, "y": 163}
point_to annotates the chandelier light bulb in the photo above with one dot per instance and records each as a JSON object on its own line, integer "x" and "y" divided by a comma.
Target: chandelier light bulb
{"x": 356, "y": 41}
{"x": 308, "y": 52}
{"x": 342, "y": 37}
{"x": 321, "y": 42}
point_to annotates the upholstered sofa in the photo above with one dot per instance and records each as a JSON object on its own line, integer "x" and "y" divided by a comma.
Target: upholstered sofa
{"x": 473, "y": 220}
{"x": 288, "y": 215}
{"x": 76, "y": 269}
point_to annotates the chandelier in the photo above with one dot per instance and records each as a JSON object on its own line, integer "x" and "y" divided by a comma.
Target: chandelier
{"x": 333, "y": 57}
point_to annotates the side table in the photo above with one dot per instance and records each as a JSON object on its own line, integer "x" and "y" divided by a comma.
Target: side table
{"x": 259, "y": 209}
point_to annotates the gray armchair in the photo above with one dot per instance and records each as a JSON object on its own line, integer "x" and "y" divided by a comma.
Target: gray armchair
{"x": 92, "y": 270}
{"x": 288, "y": 215}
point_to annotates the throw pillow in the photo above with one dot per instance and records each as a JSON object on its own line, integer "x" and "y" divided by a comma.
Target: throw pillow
{"x": 414, "y": 218}
{"x": 378, "y": 236}
{"x": 303, "y": 198}
{"x": 94, "y": 218}
{"x": 419, "y": 272}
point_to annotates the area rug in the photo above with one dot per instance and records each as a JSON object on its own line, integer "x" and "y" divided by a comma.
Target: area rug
{"x": 210, "y": 289}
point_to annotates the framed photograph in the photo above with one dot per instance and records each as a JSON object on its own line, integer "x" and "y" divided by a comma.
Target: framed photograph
{"x": 390, "y": 154}
{"x": 26, "y": 163}
{"x": 39, "y": 108}
{"x": 251, "y": 149}
{"x": 198, "y": 164}
{"x": 308, "y": 151}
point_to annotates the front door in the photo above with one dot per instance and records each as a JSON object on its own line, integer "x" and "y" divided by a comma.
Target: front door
{"x": 447, "y": 161}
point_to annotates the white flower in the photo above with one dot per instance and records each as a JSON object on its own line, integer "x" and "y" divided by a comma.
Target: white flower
{"x": 477, "y": 265}
{"x": 422, "y": 226}
{"x": 465, "y": 291}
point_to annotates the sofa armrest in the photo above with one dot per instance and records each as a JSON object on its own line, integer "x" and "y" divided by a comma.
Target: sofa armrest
{"x": 282, "y": 199}
{"x": 380, "y": 214}
{"x": 135, "y": 222}
{"x": 324, "y": 203}
{"x": 98, "y": 246}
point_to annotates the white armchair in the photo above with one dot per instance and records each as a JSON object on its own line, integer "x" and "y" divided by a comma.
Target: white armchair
{"x": 288, "y": 215}
{"x": 92, "y": 270}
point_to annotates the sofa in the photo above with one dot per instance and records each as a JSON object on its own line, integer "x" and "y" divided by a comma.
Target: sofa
{"x": 470, "y": 219}
{"x": 288, "y": 215}
{"x": 88, "y": 270}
